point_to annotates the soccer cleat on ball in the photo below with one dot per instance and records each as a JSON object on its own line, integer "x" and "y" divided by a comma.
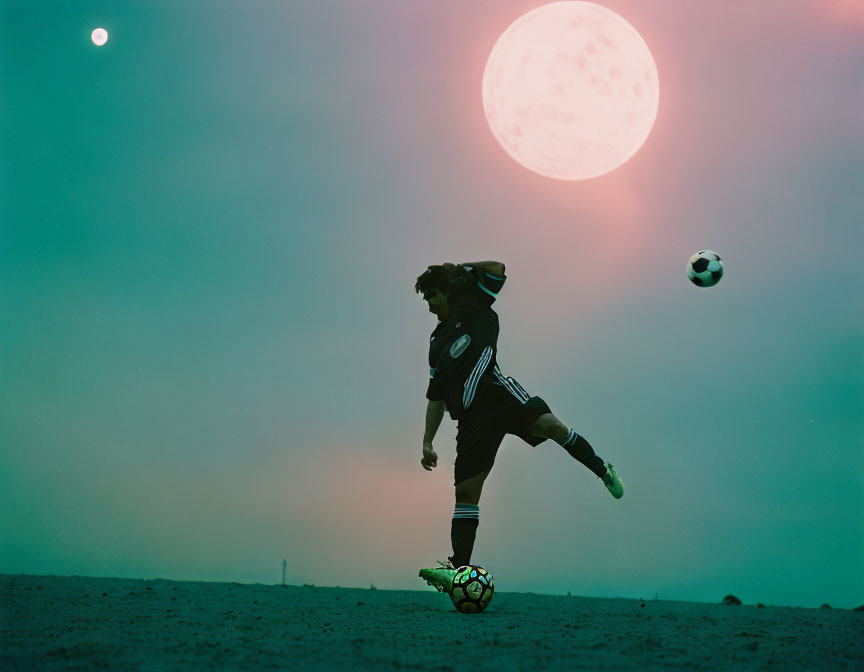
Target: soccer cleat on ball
{"x": 705, "y": 268}
{"x": 472, "y": 589}
{"x": 441, "y": 577}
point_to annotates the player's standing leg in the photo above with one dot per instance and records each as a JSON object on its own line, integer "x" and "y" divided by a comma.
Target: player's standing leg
{"x": 463, "y": 530}
{"x": 550, "y": 427}
{"x": 466, "y": 518}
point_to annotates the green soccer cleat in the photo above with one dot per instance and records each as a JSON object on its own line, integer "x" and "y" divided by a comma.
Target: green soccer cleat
{"x": 613, "y": 482}
{"x": 440, "y": 578}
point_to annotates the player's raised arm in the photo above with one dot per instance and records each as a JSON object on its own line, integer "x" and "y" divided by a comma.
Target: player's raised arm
{"x": 489, "y": 274}
{"x": 494, "y": 267}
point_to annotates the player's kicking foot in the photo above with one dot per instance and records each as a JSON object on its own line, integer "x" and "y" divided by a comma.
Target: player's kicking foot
{"x": 440, "y": 578}
{"x": 613, "y": 482}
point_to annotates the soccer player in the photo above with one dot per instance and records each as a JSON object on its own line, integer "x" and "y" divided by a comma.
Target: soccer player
{"x": 464, "y": 379}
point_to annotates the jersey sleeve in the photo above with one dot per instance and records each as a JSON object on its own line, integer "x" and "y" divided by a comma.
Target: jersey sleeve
{"x": 490, "y": 283}
{"x": 486, "y": 285}
{"x": 435, "y": 391}
{"x": 479, "y": 294}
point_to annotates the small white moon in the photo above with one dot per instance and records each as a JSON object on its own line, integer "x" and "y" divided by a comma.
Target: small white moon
{"x": 99, "y": 36}
{"x": 570, "y": 90}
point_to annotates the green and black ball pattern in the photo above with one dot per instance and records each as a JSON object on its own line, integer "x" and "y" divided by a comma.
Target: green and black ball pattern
{"x": 705, "y": 268}
{"x": 473, "y": 588}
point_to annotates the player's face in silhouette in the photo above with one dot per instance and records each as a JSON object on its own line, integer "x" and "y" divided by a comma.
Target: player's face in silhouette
{"x": 437, "y": 301}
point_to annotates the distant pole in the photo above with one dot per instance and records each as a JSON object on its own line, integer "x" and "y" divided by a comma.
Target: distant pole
{"x": 283, "y": 573}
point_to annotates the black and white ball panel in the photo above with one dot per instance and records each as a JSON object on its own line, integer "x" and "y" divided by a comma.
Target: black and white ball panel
{"x": 705, "y": 268}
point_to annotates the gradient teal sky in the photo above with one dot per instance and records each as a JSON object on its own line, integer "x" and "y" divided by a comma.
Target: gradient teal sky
{"x": 212, "y": 359}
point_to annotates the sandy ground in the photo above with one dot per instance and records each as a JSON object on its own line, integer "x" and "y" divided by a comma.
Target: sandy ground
{"x": 54, "y": 623}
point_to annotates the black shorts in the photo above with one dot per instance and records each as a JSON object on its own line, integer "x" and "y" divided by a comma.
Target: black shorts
{"x": 479, "y": 435}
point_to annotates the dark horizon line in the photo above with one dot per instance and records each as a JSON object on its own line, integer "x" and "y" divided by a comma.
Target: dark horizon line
{"x": 372, "y": 586}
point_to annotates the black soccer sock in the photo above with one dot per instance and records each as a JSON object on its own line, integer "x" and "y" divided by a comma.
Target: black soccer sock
{"x": 466, "y": 518}
{"x": 579, "y": 448}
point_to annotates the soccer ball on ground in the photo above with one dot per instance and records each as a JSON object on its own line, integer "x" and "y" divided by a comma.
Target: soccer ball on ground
{"x": 473, "y": 588}
{"x": 705, "y": 268}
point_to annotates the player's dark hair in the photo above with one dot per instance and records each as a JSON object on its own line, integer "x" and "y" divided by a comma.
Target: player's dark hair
{"x": 431, "y": 278}
{"x": 449, "y": 278}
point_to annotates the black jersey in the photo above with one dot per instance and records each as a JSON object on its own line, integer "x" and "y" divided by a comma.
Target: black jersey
{"x": 463, "y": 349}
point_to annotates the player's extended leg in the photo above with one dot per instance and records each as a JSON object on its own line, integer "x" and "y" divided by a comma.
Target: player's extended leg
{"x": 548, "y": 426}
{"x": 466, "y": 518}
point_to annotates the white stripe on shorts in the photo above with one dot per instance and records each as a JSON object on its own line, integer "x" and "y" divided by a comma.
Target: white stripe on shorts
{"x": 515, "y": 388}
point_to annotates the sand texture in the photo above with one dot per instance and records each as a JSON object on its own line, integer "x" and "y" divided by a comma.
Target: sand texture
{"x": 65, "y": 623}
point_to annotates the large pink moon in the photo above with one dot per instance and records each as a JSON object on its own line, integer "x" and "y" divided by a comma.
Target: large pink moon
{"x": 570, "y": 90}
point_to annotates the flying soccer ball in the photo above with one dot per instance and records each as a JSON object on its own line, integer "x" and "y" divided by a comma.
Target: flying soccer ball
{"x": 705, "y": 269}
{"x": 473, "y": 588}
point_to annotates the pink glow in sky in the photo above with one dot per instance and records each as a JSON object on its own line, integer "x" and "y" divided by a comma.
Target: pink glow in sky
{"x": 848, "y": 11}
